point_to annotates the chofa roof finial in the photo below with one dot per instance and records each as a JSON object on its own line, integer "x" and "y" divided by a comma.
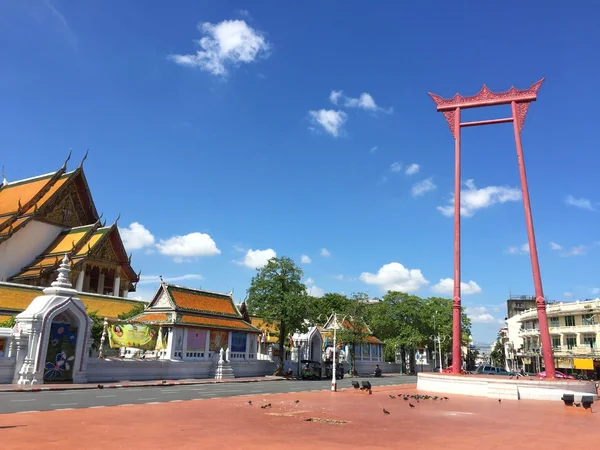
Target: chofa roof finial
{"x": 84, "y": 158}
{"x": 4, "y": 182}
{"x": 64, "y": 166}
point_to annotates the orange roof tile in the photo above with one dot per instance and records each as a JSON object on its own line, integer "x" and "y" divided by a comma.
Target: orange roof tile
{"x": 92, "y": 241}
{"x": 214, "y": 322}
{"x": 373, "y": 340}
{"x": 65, "y": 242}
{"x": 150, "y": 317}
{"x": 202, "y": 301}
{"x": 24, "y": 192}
{"x": 271, "y": 331}
{"x": 18, "y": 297}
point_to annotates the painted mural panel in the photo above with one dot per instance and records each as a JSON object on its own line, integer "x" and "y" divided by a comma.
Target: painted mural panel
{"x": 218, "y": 340}
{"x": 196, "y": 340}
{"x": 238, "y": 342}
{"x": 60, "y": 355}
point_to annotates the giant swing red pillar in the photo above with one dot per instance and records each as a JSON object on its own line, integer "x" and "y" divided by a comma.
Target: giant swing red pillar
{"x": 519, "y": 102}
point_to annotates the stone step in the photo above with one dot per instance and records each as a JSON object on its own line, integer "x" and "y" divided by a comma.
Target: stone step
{"x": 223, "y": 371}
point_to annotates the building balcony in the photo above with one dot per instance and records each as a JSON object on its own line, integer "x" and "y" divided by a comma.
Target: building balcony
{"x": 529, "y": 332}
{"x": 592, "y": 329}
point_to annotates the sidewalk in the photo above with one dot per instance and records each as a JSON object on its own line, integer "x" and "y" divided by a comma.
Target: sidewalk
{"x": 130, "y": 384}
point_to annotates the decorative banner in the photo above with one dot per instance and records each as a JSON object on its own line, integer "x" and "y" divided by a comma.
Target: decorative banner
{"x": 238, "y": 342}
{"x": 143, "y": 337}
{"x": 218, "y": 340}
{"x": 196, "y": 340}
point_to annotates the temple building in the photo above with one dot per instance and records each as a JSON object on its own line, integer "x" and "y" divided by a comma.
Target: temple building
{"x": 199, "y": 324}
{"x": 46, "y": 217}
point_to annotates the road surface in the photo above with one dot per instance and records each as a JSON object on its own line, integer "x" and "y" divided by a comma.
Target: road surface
{"x": 16, "y": 402}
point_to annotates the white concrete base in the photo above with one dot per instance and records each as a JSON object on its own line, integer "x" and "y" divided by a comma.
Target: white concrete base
{"x": 504, "y": 387}
{"x": 7, "y": 370}
{"x": 224, "y": 371}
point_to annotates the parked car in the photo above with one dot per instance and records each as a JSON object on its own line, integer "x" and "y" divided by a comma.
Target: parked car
{"x": 491, "y": 370}
{"x": 559, "y": 375}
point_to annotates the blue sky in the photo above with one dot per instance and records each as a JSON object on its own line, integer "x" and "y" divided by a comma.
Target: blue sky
{"x": 225, "y": 132}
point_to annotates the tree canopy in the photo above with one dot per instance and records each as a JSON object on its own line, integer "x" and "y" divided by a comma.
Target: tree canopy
{"x": 278, "y": 296}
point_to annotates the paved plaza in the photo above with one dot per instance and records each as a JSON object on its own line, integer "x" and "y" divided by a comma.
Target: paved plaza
{"x": 346, "y": 419}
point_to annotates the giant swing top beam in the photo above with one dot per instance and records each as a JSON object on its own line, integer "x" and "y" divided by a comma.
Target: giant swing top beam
{"x": 485, "y": 97}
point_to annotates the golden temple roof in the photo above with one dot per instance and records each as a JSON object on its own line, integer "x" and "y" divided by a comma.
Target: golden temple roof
{"x": 199, "y": 301}
{"x": 271, "y": 332}
{"x": 15, "y": 298}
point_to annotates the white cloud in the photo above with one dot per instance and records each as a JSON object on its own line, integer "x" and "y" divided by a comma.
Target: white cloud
{"x": 136, "y": 236}
{"x": 305, "y": 259}
{"x": 150, "y": 279}
{"x": 446, "y": 287}
{"x": 423, "y": 187}
{"x": 257, "y": 259}
{"x": 325, "y": 253}
{"x": 239, "y": 249}
{"x": 192, "y": 245}
{"x": 331, "y": 121}
{"x": 480, "y": 314}
{"x": 595, "y": 291}
{"x": 373, "y": 149}
{"x": 522, "y": 249}
{"x": 315, "y": 291}
{"x": 363, "y": 101}
{"x": 226, "y": 44}
{"x": 334, "y": 97}
{"x": 395, "y": 277}
{"x": 412, "y": 169}
{"x": 555, "y": 246}
{"x": 568, "y": 294}
{"x": 473, "y": 199}
{"x": 396, "y": 167}
{"x": 582, "y": 203}
{"x": 578, "y": 250}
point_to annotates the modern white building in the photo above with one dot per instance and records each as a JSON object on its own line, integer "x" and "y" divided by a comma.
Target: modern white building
{"x": 574, "y": 330}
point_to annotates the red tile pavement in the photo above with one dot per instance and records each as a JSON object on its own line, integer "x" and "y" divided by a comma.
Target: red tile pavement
{"x": 127, "y": 384}
{"x": 231, "y": 423}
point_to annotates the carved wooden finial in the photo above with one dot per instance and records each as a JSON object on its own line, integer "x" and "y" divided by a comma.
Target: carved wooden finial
{"x": 72, "y": 245}
{"x": 84, "y": 158}
{"x": 4, "y": 182}
{"x": 35, "y": 208}
{"x": 117, "y": 219}
{"x": 129, "y": 258}
{"x": 64, "y": 166}
{"x": 20, "y": 205}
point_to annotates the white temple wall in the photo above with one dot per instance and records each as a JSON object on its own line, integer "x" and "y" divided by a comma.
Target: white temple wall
{"x": 24, "y": 246}
{"x": 115, "y": 370}
{"x": 7, "y": 370}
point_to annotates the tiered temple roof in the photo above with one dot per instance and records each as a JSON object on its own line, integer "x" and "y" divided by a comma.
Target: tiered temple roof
{"x": 15, "y": 298}
{"x": 62, "y": 199}
{"x": 347, "y": 324}
{"x": 270, "y": 332}
{"x": 179, "y": 305}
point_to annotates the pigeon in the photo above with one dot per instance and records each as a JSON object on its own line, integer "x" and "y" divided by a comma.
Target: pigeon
{"x": 445, "y": 398}
{"x": 268, "y": 405}
{"x": 264, "y": 406}
{"x": 249, "y": 402}
{"x": 392, "y": 396}
{"x": 499, "y": 400}
{"x": 405, "y": 398}
{"x": 411, "y": 405}
{"x": 577, "y": 405}
{"x": 385, "y": 411}
{"x": 435, "y": 397}
{"x": 297, "y": 401}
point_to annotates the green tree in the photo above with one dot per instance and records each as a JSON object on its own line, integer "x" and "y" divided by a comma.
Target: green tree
{"x": 97, "y": 329}
{"x": 278, "y": 296}
{"x": 356, "y": 330}
{"x": 8, "y": 323}
{"x": 136, "y": 310}
{"x": 498, "y": 355}
{"x": 320, "y": 308}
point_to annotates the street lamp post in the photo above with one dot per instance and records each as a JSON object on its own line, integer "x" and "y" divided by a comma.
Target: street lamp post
{"x": 333, "y": 376}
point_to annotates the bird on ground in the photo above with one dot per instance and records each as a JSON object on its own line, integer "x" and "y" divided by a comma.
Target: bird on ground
{"x": 264, "y": 406}
{"x": 406, "y": 398}
{"x": 249, "y": 402}
{"x": 435, "y": 397}
{"x": 297, "y": 401}
{"x": 392, "y": 396}
{"x": 445, "y": 398}
{"x": 385, "y": 411}
{"x": 411, "y": 405}
{"x": 268, "y": 405}
{"x": 577, "y": 405}
{"x": 499, "y": 400}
